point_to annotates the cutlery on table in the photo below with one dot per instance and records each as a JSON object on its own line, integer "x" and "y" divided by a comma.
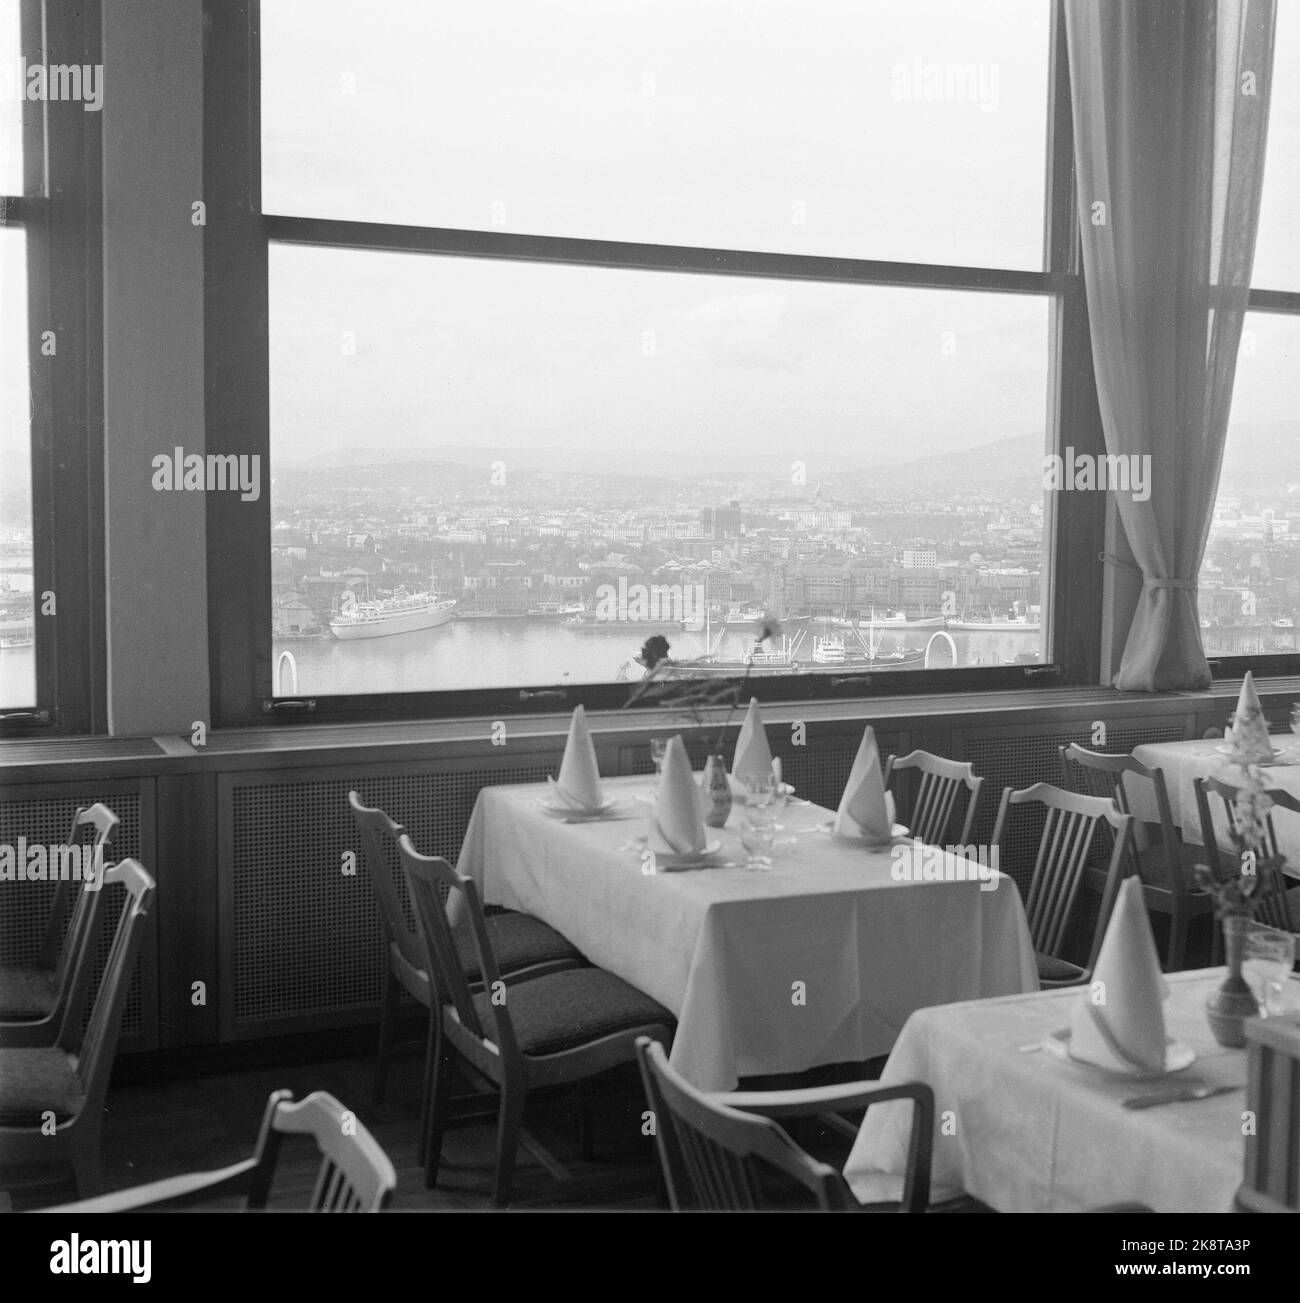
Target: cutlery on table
{"x": 1182, "y": 1095}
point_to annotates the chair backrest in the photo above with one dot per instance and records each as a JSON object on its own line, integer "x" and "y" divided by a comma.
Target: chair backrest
{"x": 1269, "y": 903}
{"x": 933, "y": 808}
{"x": 432, "y": 881}
{"x": 62, "y": 947}
{"x": 1272, "y": 1166}
{"x": 713, "y": 1156}
{"x": 1095, "y": 773}
{"x": 95, "y": 1050}
{"x": 1069, "y": 829}
{"x": 379, "y": 838}
{"x": 355, "y": 1174}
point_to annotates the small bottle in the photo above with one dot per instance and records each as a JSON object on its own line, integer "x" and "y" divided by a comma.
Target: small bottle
{"x": 717, "y": 792}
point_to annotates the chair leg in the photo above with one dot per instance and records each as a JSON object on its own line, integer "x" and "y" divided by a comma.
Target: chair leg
{"x": 432, "y": 1048}
{"x": 509, "y": 1119}
{"x": 439, "y": 1093}
{"x": 87, "y": 1169}
{"x": 387, "y": 1031}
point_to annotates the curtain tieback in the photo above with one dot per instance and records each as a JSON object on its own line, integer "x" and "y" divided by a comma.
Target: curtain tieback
{"x": 1170, "y": 583}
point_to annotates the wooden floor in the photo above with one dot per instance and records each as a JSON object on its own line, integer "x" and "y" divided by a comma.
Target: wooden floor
{"x": 191, "y": 1122}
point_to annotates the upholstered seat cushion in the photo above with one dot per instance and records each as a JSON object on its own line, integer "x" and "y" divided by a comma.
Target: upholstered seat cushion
{"x": 26, "y": 991}
{"x": 562, "y": 1011}
{"x": 1051, "y": 969}
{"x": 519, "y": 941}
{"x": 34, "y": 1082}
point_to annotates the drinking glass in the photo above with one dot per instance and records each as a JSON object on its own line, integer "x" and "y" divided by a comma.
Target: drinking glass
{"x": 1266, "y": 965}
{"x": 757, "y": 835}
{"x": 1295, "y": 719}
{"x": 760, "y": 789}
{"x": 658, "y": 749}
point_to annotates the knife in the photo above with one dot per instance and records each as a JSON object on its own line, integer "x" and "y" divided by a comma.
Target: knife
{"x": 1183, "y": 1095}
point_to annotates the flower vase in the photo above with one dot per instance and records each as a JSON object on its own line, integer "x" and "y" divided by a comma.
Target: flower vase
{"x": 717, "y": 792}
{"x": 1228, "y": 1006}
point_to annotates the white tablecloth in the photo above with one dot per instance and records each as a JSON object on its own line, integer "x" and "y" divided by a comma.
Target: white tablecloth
{"x": 1183, "y": 761}
{"x": 820, "y": 960}
{"x": 1026, "y": 1132}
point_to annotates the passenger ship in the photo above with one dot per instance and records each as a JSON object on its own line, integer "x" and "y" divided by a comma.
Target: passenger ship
{"x": 401, "y": 613}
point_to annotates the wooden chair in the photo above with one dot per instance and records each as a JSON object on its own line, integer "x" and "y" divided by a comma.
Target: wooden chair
{"x": 355, "y": 1174}
{"x": 933, "y": 808}
{"x": 715, "y": 1150}
{"x": 65, "y": 1083}
{"x": 1165, "y": 864}
{"x": 523, "y": 945}
{"x": 34, "y": 996}
{"x": 1272, "y": 1168}
{"x": 1273, "y": 903}
{"x": 550, "y": 1030}
{"x": 1070, "y": 833}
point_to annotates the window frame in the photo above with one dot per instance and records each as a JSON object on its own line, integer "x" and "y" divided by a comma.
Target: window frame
{"x": 236, "y": 329}
{"x": 60, "y": 213}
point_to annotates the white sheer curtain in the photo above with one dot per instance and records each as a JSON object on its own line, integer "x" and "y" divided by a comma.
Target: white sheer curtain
{"x": 1170, "y": 101}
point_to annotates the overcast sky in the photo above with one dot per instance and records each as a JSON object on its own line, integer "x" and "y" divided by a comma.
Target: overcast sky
{"x": 787, "y": 125}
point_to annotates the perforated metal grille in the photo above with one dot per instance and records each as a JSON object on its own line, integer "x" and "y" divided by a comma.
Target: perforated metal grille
{"x": 306, "y": 936}
{"x": 25, "y": 906}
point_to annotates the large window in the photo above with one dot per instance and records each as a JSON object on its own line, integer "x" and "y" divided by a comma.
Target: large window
{"x": 519, "y": 422}
{"x": 51, "y": 659}
{"x": 1250, "y": 579}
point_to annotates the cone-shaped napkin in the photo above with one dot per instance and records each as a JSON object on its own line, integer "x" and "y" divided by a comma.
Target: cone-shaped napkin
{"x": 1249, "y": 727}
{"x": 753, "y": 756}
{"x": 1119, "y": 1022}
{"x": 676, "y": 822}
{"x": 866, "y": 809}
{"x": 579, "y": 782}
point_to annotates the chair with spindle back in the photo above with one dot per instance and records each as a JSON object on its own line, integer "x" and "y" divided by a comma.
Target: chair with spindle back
{"x": 1071, "y": 831}
{"x": 523, "y": 944}
{"x": 934, "y": 807}
{"x": 718, "y": 1152}
{"x": 1271, "y": 1181}
{"x": 33, "y": 996}
{"x": 66, "y": 1083}
{"x": 515, "y": 1036}
{"x": 1165, "y": 863}
{"x": 355, "y": 1174}
{"x": 1274, "y": 902}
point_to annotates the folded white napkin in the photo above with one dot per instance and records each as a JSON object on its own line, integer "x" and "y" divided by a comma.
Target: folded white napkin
{"x": 866, "y": 809}
{"x": 676, "y": 821}
{"x": 753, "y": 757}
{"x": 579, "y": 781}
{"x": 1249, "y": 727}
{"x": 1119, "y": 1021}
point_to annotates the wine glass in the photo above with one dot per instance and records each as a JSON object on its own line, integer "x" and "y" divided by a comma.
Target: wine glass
{"x": 1268, "y": 959}
{"x": 1295, "y": 719}
{"x": 658, "y": 749}
{"x": 757, "y": 835}
{"x": 760, "y": 788}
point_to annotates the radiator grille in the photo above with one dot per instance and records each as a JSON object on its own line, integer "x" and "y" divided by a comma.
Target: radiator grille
{"x": 25, "y": 906}
{"x": 306, "y": 936}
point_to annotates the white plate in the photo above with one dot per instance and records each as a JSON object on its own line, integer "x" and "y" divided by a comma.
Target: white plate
{"x": 700, "y": 861}
{"x": 1229, "y": 751}
{"x": 1177, "y": 1056}
{"x": 897, "y": 832}
{"x": 576, "y": 811}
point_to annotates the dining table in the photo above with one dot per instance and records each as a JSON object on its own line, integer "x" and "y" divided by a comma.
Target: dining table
{"x": 1023, "y": 1128}
{"x": 820, "y": 959}
{"x": 1206, "y": 758}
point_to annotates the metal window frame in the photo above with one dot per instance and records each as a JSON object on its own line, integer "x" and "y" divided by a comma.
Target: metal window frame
{"x": 60, "y": 213}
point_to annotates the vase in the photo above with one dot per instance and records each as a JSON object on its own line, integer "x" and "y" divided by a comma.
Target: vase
{"x": 717, "y": 792}
{"x": 1228, "y": 1006}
